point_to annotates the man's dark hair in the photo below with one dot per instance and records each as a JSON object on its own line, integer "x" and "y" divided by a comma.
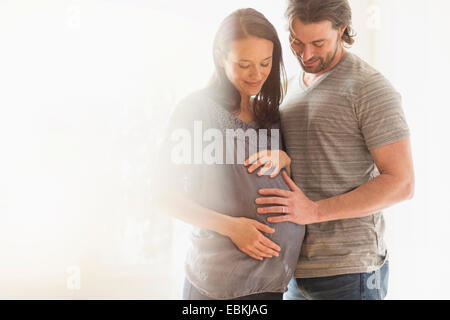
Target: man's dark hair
{"x": 338, "y": 12}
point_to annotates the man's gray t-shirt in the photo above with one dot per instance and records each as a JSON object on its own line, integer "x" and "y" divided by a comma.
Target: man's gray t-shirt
{"x": 328, "y": 130}
{"x": 214, "y": 265}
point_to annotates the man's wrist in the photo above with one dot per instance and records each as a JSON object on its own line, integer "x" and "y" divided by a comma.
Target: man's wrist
{"x": 319, "y": 211}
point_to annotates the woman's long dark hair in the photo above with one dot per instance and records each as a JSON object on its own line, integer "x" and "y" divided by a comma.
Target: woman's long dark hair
{"x": 241, "y": 24}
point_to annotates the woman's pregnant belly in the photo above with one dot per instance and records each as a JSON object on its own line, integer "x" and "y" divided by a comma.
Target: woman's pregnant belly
{"x": 231, "y": 190}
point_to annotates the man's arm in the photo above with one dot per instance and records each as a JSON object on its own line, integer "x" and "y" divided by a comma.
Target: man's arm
{"x": 394, "y": 184}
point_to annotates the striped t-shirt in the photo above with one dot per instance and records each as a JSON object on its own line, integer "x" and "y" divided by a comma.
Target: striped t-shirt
{"x": 328, "y": 129}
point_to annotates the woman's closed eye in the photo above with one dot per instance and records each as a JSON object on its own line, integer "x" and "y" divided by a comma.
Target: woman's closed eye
{"x": 264, "y": 65}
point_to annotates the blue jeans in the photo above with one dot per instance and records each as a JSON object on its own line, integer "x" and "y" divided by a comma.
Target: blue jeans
{"x": 191, "y": 293}
{"x": 356, "y": 286}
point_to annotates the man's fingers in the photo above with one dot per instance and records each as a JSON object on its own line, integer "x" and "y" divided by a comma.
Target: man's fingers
{"x": 274, "y": 209}
{"x": 278, "y": 219}
{"x": 289, "y": 181}
{"x": 274, "y": 192}
{"x": 272, "y": 200}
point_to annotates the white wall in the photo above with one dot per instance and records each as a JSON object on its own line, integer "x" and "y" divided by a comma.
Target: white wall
{"x": 85, "y": 87}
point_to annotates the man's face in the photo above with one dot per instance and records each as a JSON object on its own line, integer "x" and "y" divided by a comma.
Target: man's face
{"x": 316, "y": 45}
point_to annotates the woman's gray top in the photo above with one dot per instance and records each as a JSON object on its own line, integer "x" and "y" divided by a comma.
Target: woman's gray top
{"x": 214, "y": 264}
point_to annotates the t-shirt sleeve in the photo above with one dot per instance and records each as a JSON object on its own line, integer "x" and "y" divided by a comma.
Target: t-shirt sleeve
{"x": 380, "y": 114}
{"x": 175, "y": 170}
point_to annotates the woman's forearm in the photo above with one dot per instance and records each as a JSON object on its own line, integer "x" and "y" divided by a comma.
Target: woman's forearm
{"x": 190, "y": 212}
{"x": 246, "y": 234}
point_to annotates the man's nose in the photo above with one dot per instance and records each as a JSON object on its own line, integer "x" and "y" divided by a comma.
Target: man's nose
{"x": 307, "y": 53}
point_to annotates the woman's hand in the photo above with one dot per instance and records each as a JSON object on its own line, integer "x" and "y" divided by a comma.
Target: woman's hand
{"x": 276, "y": 159}
{"x": 247, "y": 235}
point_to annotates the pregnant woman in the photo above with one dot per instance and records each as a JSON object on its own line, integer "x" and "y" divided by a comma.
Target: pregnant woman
{"x": 235, "y": 253}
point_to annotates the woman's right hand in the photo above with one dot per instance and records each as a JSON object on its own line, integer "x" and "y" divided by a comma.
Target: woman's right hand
{"x": 247, "y": 235}
{"x": 269, "y": 159}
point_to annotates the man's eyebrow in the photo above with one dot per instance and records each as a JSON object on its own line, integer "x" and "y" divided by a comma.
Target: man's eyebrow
{"x": 315, "y": 41}
{"x": 295, "y": 38}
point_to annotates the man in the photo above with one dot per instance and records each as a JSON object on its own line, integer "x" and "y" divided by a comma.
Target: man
{"x": 346, "y": 133}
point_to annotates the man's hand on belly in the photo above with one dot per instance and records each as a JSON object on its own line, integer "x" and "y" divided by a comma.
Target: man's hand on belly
{"x": 294, "y": 206}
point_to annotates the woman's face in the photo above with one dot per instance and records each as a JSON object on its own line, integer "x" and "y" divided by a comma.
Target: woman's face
{"x": 247, "y": 64}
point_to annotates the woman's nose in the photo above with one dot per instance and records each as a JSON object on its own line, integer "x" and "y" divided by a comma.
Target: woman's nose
{"x": 255, "y": 73}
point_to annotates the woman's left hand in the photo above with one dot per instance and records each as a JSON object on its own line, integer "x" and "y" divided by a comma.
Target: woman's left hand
{"x": 276, "y": 159}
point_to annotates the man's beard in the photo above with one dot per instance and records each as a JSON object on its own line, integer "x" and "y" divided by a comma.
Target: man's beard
{"x": 323, "y": 63}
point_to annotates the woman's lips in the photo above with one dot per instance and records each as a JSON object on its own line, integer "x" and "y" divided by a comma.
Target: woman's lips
{"x": 253, "y": 84}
